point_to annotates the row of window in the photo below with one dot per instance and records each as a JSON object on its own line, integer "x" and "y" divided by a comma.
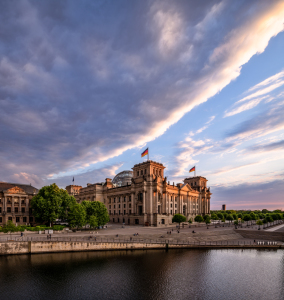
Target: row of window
{"x": 156, "y": 172}
{"x": 16, "y": 209}
{"x": 18, "y": 219}
{"x": 120, "y": 212}
{"x": 141, "y": 172}
{"x": 15, "y": 201}
{"x": 118, "y": 199}
{"x": 124, "y": 206}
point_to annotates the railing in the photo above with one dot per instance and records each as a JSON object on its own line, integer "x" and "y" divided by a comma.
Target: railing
{"x": 138, "y": 240}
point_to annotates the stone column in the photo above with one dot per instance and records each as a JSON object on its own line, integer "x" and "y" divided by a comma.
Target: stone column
{"x": 187, "y": 205}
{"x": 13, "y": 207}
{"x": 144, "y": 202}
{"x": 132, "y": 203}
{"x": 5, "y": 204}
{"x": 27, "y": 210}
{"x": 209, "y": 204}
{"x": 157, "y": 201}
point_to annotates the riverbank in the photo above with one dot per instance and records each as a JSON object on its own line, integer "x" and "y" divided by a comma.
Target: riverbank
{"x": 34, "y": 247}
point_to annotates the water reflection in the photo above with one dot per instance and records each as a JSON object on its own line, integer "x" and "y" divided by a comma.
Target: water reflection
{"x": 151, "y": 274}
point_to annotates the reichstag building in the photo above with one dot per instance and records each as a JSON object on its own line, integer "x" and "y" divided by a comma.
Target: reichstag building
{"x": 144, "y": 196}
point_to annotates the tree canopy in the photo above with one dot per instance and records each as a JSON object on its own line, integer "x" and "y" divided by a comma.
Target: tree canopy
{"x": 51, "y": 203}
{"x": 198, "y": 219}
{"x": 178, "y": 218}
{"x": 98, "y": 210}
{"x": 76, "y": 215}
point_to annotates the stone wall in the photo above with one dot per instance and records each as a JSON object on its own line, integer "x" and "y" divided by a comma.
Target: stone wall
{"x": 14, "y": 248}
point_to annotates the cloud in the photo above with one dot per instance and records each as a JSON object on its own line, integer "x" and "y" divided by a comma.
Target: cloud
{"x": 268, "y": 81}
{"x": 207, "y": 124}
{"x": 94, "y": 176}
{"x": 231, "y": 169}
{"x": 260, "y": 125}
{"x": 256, "y": 195}
{"x": 276, "y": 146}
{"x": 249, "y": 105}
{"x": 271, "y": 83}
{"x": 263, "y": 91}
{"x": 80, "y": 84}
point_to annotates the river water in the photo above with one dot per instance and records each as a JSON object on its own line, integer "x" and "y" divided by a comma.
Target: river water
{"x": 151, "y": 274}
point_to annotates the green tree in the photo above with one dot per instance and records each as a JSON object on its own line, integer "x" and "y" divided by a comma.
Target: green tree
{"x": 190, "y": 220}
{"x": 235, "y": 216}
{"x": 207, "y": 221}
{"x": 268, "y": 219}
{"x": 206, "y": 217}
{"x": 230, "y": 218}
{"x": 259, "y": 222}
{"x": 198, "y": 219}
{"x": 93, "y": 222}
{"x": 178, "y": 218}
{"x": 97, "y": 209}
{"x": 214, "y": 217}
{"x": 220, "y": 216}
{"x": 9, "y": 227}
{"x": 240, "y": 216}
{"x": 76, "y": 215}
{"x": 253, "y": 217}
{"x": 50, "y": 204}
{"x": 247, "y": 218}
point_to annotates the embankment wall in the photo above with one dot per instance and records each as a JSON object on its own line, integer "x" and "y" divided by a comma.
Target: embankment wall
{"x": 9, "y": 248}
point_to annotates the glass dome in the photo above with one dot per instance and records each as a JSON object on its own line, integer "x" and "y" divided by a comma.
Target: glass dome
{"x": 122, "y": 178}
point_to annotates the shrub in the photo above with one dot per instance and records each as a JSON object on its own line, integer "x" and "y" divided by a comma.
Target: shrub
{"x": 198, "y": 219}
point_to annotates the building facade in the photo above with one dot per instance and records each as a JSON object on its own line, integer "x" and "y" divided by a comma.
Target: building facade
{"x": 15, "y": 203}
{"x": 148, "y": 199}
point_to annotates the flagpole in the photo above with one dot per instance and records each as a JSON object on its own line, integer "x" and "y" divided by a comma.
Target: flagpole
{"x": 194, "y": 171}
{"x": 148, "y": 153}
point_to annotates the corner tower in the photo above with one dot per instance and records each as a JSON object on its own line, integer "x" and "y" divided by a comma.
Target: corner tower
{"x": 148, "y": 167}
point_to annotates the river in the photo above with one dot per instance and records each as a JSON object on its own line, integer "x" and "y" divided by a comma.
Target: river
{"x": 152, "y": 274}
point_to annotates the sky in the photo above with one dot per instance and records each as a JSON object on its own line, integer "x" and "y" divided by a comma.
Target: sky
{"x": 86, "y": 86}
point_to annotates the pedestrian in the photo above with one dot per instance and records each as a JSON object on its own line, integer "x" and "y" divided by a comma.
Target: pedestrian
{"x": 47, "y": 237}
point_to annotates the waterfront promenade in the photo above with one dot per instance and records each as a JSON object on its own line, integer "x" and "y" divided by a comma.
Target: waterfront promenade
{"x": 117, "y": 237}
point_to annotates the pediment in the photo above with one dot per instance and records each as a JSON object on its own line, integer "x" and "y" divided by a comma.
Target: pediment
{"x": 15, "y": 190}
{"x": 188, "y": 188}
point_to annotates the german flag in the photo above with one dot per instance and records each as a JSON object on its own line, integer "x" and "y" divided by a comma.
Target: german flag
{"x": 192, "y": 169}
{"x": 144, "y": 153}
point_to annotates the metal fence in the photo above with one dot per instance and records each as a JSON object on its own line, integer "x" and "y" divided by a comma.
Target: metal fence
{"x": 138, "y": 240}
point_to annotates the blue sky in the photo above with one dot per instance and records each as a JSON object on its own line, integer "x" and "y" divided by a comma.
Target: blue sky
{"x": 86, "y": 87}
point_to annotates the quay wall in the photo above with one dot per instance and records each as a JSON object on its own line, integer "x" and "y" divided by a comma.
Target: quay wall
{"x": 31, "y": 247}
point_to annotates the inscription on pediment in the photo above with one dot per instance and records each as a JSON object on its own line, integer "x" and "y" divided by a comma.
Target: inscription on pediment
{"x": 15, "y": 190}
